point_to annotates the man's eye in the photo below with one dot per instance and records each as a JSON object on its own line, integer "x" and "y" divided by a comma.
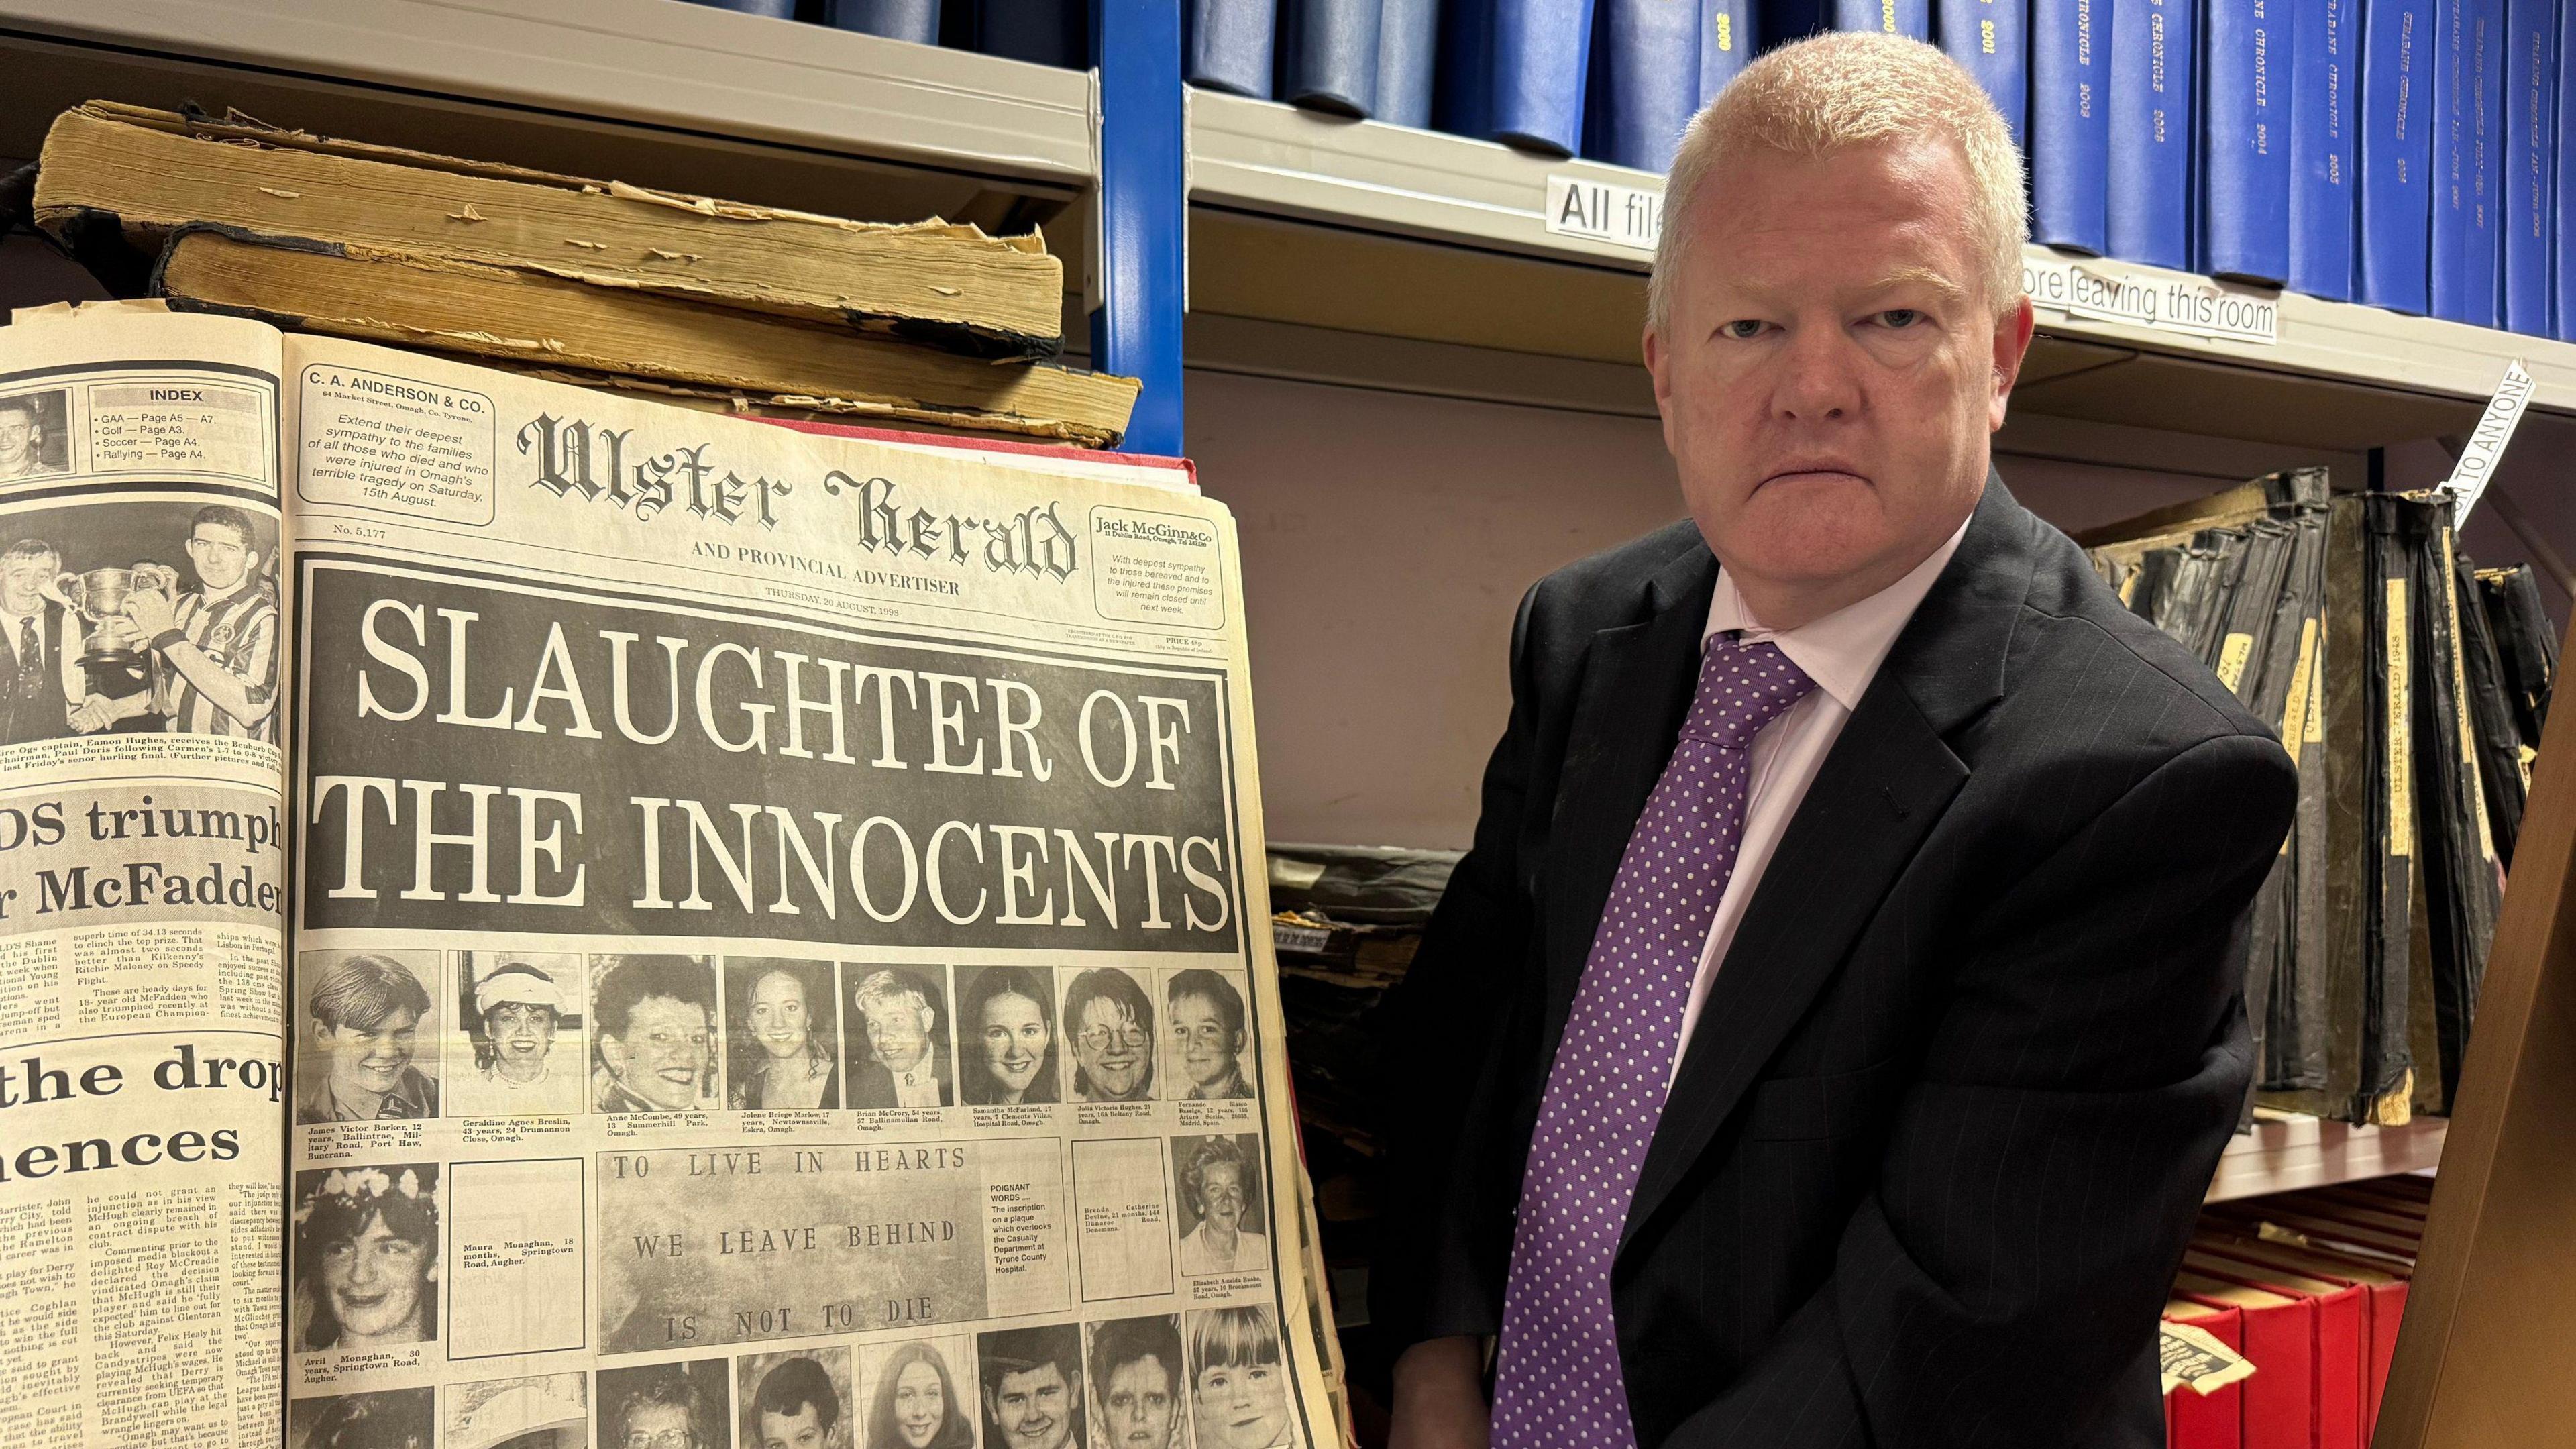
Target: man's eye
{"x": 1900, "y": 317}
{"x": 1743, "y": 329}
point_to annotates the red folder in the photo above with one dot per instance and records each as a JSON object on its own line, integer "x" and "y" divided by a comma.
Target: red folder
{"x": 2339, "y": 1379}
{"x": 2194, "y": 1420}
{"x": 2278, "y": 1407}
{"x": 2383, "y": 1281}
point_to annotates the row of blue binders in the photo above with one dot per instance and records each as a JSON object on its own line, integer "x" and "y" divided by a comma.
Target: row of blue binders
{"x": 2410, "y": 154}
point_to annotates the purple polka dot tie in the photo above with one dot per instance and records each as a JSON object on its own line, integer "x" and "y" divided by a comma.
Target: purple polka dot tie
{"x": 1558, "y": 1381}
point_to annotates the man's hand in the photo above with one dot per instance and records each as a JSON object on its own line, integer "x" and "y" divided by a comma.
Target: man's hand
{"x": 92, "y": 714}
{"x": 1440, "y": 1397}
{"x": 151, "y": 612}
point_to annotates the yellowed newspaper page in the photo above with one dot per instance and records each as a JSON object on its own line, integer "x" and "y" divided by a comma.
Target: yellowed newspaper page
{"x": 781, "y": 945}
{"x": 142, "y": 882}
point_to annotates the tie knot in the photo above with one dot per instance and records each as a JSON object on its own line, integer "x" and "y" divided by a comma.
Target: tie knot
{"x": 1742, "y": 687}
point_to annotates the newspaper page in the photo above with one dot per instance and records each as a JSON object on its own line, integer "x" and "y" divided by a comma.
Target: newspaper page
{"x": 142, "y": 883}
{"x": 780, "y": 947}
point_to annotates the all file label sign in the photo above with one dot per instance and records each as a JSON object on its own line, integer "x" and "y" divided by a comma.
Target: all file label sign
{"x": 1604, "y": 211}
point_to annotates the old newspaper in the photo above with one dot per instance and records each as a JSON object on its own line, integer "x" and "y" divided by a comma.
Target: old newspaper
{"x": 533, "y": 917}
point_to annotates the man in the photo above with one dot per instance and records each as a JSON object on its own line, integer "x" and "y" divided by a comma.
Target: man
{"x": 44, "y": 642}
{"x": 1136, "y": 1371}
{"x": 659, "y": 1409}
{"x": 796, "y": 1407}
{"x": 22, "y": 440}
{"x": 215, "y": 649}
{"x": 1208, "y": 1026}
{"x": 656, "y": 1035}
{"x": 517, "y": 1071}
{"x": 362, "y": 1019}
{"x": 1835, "y": 1025}
{"x": 1032, "y": 1380}
{"x": 907, "y": 1061}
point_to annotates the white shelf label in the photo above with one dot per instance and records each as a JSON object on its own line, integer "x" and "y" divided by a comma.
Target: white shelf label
{"x": 1603, "y": 211}
{"x": 2477, "y": 464}
{"x": 2193, "y": 306}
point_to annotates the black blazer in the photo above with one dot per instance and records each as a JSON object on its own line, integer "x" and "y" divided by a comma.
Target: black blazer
{"x": 1959, "y": 1084}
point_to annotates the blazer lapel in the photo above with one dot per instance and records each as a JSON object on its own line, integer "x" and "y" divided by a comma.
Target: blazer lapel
{"x": 1637, "y": 685}
{"x": 1881, "y": 789}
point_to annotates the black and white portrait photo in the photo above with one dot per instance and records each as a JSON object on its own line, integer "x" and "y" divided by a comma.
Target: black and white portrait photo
{"x": 366, "y": 1257}
{"x": 522, "y": 1047}
{"x": 1006, "y": 1032}
{"x": 539, "y": 1411}
{"x": 665, "y": 1406}
{"x": 1110, "y": 1021}
{"x": 35, "y": 434}
{"x": 653, "y": 1029}
{"x": 1032, "y": 1387}
{"x": 1238, "y": 1379}
{"x": 1139, "y": 1384}
{"x": 782, "y": 1034}
{"x": 793, "y": 1400}
{"x": 1206, "y": 1037}
{"x": 385, "y": 1419}
{"x": 899, "y": 1051}
{"x": 919, "y": 1395}
{"x": 1221, "y": 1221}
{"x": 366, "y": 1049}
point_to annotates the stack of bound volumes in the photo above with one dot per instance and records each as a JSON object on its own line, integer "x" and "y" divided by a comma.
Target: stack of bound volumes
{"x": 600, "y": 282}
{"x": 2353, "y": 624}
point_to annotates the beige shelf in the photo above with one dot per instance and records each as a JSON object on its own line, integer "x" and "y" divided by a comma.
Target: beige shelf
{"x": 2281, "y": 1154}
{"x": 1336, "y": 227}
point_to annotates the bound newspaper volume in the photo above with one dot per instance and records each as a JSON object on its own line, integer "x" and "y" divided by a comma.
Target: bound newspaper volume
{"x": 532, "y": 917}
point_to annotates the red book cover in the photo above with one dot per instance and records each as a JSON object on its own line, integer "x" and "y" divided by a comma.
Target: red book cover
{"x": 2194, "y": 1420}
{"x": 2339, "y": 1380}
{"x": 2278, "y": 1407}
{"x": 2385, "y": 1281}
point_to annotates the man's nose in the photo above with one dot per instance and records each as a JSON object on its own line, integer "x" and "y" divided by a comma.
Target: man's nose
{"x": 1819, "y": 379}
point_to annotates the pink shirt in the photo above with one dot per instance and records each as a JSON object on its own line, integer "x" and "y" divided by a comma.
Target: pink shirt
{"x": 1841, "y": 652}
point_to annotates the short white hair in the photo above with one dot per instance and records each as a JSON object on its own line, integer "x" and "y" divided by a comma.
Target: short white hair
{"x": 1851, "y": 88}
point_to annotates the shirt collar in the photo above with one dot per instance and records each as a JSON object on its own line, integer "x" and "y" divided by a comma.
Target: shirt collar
{"x": 1841, "y": 652}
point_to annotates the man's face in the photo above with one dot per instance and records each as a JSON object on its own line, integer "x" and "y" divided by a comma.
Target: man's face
{"x": 920, "y": 1406}
{"x": 368, "y": 1059}
{"x": 23, "y": 580}
{"x": 1207, "y": 1048}
{"x": 663, "y": 1052}
{"x": 1221, "y": 1194}
{"x": 1034, "y": 1410}
{"x": 1111, "y": 1046}
{"x": 19, "y": 438}
{"x": 1241, "y": 1407}
{"x": 800, "y": 1430}
{"x": 373, "y": 1284}
{"x": 658, "y": 1426}
{"x": 778, "y": 1015}
{"x": 1140, "y": 1402}
{"x": 221, "y": 554}
{"x": 898, "y": 1030}
{"x": 1832, "y": 366}
{"x": 522, "y": 1033}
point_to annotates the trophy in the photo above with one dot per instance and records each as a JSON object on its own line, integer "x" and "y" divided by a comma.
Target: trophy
{"x": 100, "y": 596}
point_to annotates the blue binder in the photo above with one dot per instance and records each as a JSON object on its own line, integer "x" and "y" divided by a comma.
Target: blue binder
{"x": 2070, "y": 112}
{"x": 1786, "y": 20}
{"x": 1043, "y": 32}
{"x": 1644, "y": 80}
{"x": 2468, "y": 115}
{"x": 2398, "y": 121}
{"x": 2530, "y": 150}
{"x": 1462, "y": 85}
{"x": 1726, "y": 39}
{"x": 1328, "y": 55}
{"x": 1990, "y": 39}
{"x": 2322, "y": 39}
{"x": 1542, "y": 53}
{"x": 1408, "y": 41}
{"x": 2562, "y": 191}
{"x": 913, "y": 20}
{"x": 1225, "y": 45}
{"x": 774, "y": 9}
{"x": 2245, "y": 139}
{"x": 2151, "y": 124}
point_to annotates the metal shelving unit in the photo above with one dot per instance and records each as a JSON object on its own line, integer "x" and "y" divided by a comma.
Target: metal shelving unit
{"x": 1317, "y": 247}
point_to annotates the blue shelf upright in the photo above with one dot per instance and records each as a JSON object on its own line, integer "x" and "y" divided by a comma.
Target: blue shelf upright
{"x": 1144, "y": 222}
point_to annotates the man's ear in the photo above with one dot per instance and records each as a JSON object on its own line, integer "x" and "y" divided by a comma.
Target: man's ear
{"x": 2012, "y": 345}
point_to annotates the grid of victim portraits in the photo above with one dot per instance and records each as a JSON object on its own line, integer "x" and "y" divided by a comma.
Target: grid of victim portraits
{"x": 558, "y": 1033}
{"x": 1206, "y": 1379}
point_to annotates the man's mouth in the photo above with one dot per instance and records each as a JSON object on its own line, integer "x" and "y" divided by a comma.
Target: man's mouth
{"x": 1814, "y": 470}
